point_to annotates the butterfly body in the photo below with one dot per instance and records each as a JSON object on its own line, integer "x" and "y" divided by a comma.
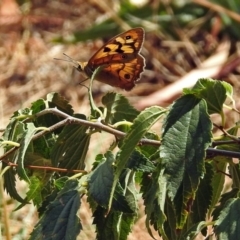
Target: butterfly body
{"x": 119, "y": 60}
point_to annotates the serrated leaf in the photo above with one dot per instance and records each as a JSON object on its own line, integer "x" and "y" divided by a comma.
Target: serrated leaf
{"x": 186, "y": 136}
{"x": 213, "y": 91}
{"x": 235, "y": 174}
{"x": 120, "y": 202}
{"x": 130, "y": 191}
{"x": 218, "y": 180}
{"x": 125, "y": 223}
{"x": 60, "y": 220}
{"x": 228, "y": 225}
{"x": 38, "y": 106}
{"x": 34, "y": 192}
{"x": 101, "y": 180}
{"x": 10, "y": 185}
{"x": 233, "y": 193}
{"x": 203, "y": 198}
{"x": 194, "y": 230}
{"x": 13, "y": 131}
{"x": 169, "y": 226}
{"x": 48, "y": 198}
{"x": 139, "y": 128}
{"x": 53, "y": 100}
{"x": 154, "y": 195}
{"x": 21, "y": 152}
{"x": 118, "y": 108}
{"x": 71, "y": 147}
{"x": 138, "y": 162}
{"x": 60, "y": 182}
{"x": 116, "y": 225}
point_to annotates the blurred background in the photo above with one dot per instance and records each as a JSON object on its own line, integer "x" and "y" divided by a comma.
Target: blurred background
{"x": 185, "y": 40}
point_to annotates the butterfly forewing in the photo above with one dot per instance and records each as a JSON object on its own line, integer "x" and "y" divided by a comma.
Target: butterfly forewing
{"x": 125, "y": 43}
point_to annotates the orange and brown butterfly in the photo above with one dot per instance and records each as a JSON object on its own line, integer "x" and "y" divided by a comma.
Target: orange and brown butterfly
{"x": 119, "y": 60}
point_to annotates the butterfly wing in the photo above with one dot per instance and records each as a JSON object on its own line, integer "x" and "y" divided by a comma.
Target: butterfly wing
{"x": 129, "y": 42}
{"x": 124, "y": 74}
{"x": 119, "y": 59}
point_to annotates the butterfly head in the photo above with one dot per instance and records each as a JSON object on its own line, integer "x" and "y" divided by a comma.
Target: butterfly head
{"x": 80, "y": 66}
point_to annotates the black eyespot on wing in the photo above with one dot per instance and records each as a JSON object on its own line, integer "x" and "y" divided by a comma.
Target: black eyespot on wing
{"x": 124, "y": 56}
{"x": 127, "y": 76}
{"x": 128, "y": 37}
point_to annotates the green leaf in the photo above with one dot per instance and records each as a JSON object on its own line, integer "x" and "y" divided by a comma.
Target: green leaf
{"x": 125, "y": 225}
{"x": 101, "y": 180}
{"x": 170, "y": 225}
{"x": 223, "y": 202}
{"x": 198, "y": 210}
{"x": 118, "y": 108}
{"x": 213, "y": 91}
{"x": 10, "y": 185}
{"x": 71, "y": 147}
{"x": 150, "y": 150}
{"x": 115, "y": 225}
{"x": 154, "y": 192}
{"x": 194, "y": 230}
{"x": 218, "y": 180}
{"x": 120, "y": 202}
{"x": 60, "y": 182}
{"x": 34, "y": 192}
{"x": 186, "y": 136}
{"x": 131, "y": 193}
{"x": 13, "y": 132}
{"x": 235, "y": 174}
{"x": 140, "y": 126}
{"x": 228, "y": 225}
{"x": 21, "y": 152}
{"x": 38, "y": 106}
{"x": 43, "y": 145}
{"x": 60, "y": 220}
{"x": 100, "y": 184}
{"x": 53, "y": 100}
{"x": 138, "y": 162}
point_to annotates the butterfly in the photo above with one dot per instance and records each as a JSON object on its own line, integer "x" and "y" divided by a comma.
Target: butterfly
{"x": 119, "y": 60}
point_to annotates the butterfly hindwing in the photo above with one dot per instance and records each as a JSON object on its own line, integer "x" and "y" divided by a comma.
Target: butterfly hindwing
{"x": 123, "y": 74}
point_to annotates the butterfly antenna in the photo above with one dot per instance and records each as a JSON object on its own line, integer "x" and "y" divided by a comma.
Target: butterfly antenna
{"x": 81, "y": 83}
{"x": 71, "y": 60}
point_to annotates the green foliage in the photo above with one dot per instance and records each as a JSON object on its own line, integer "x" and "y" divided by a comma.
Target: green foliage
{"x": 183, "y": 15}
{"x": 60, "y": 220}
{"x": 47, "y": 146}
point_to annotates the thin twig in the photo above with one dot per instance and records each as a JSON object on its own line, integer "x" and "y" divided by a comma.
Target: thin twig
{"x": 101, "y": 127}
{"x": 47, "y": 168}
{"x": 97, "y": 125}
